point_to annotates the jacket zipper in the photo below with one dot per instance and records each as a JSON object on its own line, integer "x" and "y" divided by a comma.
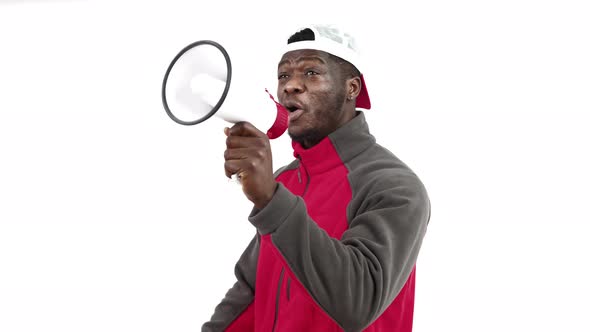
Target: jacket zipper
{"x": 288, "y": 289}
{"x": 299, "y": 176}
{"x": 274, "y": 324}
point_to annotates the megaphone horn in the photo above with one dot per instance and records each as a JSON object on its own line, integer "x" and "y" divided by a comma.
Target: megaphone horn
{"x": 197, "y": 84}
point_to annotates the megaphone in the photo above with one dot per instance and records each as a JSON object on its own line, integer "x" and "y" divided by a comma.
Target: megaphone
{"x": 197, "y": 84}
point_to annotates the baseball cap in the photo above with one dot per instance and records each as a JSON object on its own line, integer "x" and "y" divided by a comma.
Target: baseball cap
{"x": 331, "y": 39}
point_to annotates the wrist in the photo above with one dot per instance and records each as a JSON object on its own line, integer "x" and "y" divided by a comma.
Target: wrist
{"x": 261, "y": 203}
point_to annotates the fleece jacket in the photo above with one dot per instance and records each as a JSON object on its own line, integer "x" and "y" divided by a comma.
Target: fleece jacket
{"x": 336, "y": 247}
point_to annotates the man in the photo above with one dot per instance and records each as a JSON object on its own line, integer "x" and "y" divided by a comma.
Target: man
{"x": 340, "y": 228}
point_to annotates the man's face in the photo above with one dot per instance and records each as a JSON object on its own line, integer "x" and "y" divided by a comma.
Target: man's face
{"x": 311, "y": 87}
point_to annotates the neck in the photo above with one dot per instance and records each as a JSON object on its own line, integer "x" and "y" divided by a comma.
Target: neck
{"x": 313, "y": 138}
{"x": 309, "y": 140}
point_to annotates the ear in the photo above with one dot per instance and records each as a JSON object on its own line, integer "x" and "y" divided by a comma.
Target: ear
{"x": 353, "y": 87}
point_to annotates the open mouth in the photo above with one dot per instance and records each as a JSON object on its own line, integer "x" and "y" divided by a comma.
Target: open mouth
{"x": 295, "y": 111}
{"x": 291, "y": 109}
{"x": 294, "y": 114}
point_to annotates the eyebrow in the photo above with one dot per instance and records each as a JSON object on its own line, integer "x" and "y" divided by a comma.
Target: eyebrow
{"x": 304, "y": 58}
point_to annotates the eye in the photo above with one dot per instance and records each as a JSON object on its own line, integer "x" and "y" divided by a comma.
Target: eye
{"x": 283, "y": 76}
{"x": 311, "y": 73}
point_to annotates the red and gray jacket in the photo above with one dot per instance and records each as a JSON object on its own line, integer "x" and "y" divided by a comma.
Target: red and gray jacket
{"x": 336, "y": 247}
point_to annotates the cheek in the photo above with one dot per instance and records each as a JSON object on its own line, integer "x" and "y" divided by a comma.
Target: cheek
{"x": 328, "y": 104}
{"x": 321, "y": 99}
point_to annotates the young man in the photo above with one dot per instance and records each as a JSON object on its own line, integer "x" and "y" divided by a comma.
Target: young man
{"x": 340, "y": 228}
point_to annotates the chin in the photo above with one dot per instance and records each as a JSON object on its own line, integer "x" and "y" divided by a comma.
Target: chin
{"x": 305, "y": 137}
{"x": 296, "y": 130}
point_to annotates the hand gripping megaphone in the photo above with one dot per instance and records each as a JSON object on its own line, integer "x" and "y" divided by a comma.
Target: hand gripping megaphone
{"x": 197, "y": 84}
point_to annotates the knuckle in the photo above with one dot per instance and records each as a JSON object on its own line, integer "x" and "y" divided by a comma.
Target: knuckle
{"x": 229, "y": 166}
{"x": 240, "y": 126}
{"x": 252, "y": 163}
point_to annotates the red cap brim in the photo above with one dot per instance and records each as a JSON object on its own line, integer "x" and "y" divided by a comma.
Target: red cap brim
{"x": 363, "y": 100}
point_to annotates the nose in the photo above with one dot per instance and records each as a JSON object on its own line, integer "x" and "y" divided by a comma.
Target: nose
{"x": 294, "y": 85}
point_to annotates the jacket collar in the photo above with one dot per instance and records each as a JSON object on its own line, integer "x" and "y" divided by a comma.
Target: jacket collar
{"x": 337, "y": 148}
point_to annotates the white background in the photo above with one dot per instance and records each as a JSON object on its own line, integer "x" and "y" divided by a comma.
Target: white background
{"x": 115, "y": 218}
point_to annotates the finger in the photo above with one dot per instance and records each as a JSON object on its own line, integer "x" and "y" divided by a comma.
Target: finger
{"x": 241, "y": 166}
{"x": 233, "y": 167}
{"x": 242, "y": 153}
{"x": 230, "y": 169}
{"x": 245, "y": 129}
{"x": 229, "y": 173}
{"x": 235, "y": 142}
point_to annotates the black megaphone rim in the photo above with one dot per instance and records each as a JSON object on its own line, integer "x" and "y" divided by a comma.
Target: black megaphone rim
{"x": 225, "y": 91}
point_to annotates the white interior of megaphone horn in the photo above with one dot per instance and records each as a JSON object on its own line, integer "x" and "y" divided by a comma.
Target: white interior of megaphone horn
{"x": 196, "y": 82}
{"x": 202, "y": 82}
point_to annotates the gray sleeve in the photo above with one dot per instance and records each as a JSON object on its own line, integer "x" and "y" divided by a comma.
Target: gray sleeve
{"x": 239, "y": 297}
{"x": 355, "y": 278}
